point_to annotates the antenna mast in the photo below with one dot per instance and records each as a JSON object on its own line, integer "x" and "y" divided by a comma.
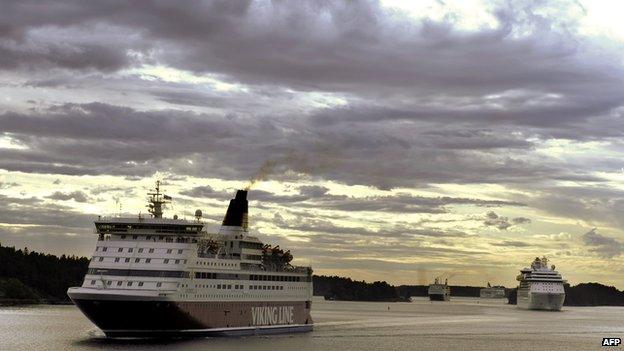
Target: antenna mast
{"x": 157, "y": 201}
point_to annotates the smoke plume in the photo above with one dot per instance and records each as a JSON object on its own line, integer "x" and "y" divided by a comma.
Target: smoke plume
{"x": 262, "y": 173}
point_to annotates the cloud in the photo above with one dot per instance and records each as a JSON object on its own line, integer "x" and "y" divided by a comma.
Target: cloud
{"x": 521, "y": 220}
{"x": 594, "y": 203}
{"x": 601, "y": 245}
{"x": 77, "y": 196}
{"x": 5, "y": 185}
{"x": 503, "y": 223}
{"x": 522, "y": 114}
{"x": 313, "y": 191}
{"x": 204, "y": 191}
{"x": 403, "y": 231}
{"x": 512, "y": 243}
{"x": 35, "y": 56}
{"x": 34, "y": 211}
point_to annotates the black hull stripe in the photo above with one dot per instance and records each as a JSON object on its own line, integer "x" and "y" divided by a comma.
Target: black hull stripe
{"x": 164, "y": 318}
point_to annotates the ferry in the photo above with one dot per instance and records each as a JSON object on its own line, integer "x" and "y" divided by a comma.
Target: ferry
{"x": 540, "y": 287}
{"x": 492, "y": 292}
{"x": 152, "y": 276}
{"x": 438, "y": 291}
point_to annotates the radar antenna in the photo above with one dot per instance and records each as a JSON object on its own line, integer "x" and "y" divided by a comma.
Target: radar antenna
{"x": 157, "y": 200}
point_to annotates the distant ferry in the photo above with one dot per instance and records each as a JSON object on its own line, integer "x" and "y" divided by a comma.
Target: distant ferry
{"x": 439, "y": 292}
{"x": 155, "y": 277}
{"x": 540, "y": 287}
{"x": 492, "y": 292}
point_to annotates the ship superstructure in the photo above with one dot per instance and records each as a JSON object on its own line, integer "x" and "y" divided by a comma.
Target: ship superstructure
{"x": 540, "y": 287}
{"x": 492, "y": 292}
{"x": 154, "y": 277}
{"x": 438, "y": 291}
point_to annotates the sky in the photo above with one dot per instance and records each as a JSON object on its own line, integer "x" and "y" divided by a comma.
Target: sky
{"x": 398, "y": 141}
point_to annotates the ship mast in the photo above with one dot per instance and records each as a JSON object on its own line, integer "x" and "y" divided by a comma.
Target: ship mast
{"x": 157, "y": 200}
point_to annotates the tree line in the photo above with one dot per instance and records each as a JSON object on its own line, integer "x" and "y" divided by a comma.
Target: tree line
{"x": 339, "y": 288}
{"x": 33, "y": 275}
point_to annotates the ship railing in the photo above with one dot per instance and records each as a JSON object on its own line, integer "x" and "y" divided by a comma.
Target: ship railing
{"x": 153, "y": 237}
{"x": 220, "y": 256}
{"x": 291, "y": 269}
{"x": 168, "y": 233}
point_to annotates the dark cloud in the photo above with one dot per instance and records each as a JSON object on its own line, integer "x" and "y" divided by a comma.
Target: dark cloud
{"x": 398, "y": 231}
{"x": 41, "y": 55}
{"x": 521, "y": 220}
{"x": 313, "y": 191}
{"x": 34, "y": 211}
{"x": 405, "y": 203}
{"x": 317, "y": 197}
{"x": 601, "y": 245}
{"x": 354, "y": 45}
{"x": 191, "y": 99}
{"x": 77, "y": 196}
{"x": 512, "y": 243}
{"x": 488, "y": 75}
{"x": 205, "y": 191}
{"x": 348, "y": 92}
{"x": 503, "y": 223}
{"x": 98, "y": 138}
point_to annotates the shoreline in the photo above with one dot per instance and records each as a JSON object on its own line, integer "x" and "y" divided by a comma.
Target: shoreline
{"x": 25, "y": 302}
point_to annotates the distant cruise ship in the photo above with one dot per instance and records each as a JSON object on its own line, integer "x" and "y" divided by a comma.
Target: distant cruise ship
{"x": 154, "y": 277}
{"x": 439, "y": 292}
{"x": 492, "y": 292}
{"x": 540, "y": 287}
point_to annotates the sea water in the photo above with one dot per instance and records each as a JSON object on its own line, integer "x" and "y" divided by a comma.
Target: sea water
{"x": 461, "y": 324}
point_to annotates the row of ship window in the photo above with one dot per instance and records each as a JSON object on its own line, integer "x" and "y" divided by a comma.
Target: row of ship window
{"x": 274, "y": 278}
{"x": 264, "y": 287}
{"x": 145, "y": 260}
{"x": 200, "y": 296}
{"x": 119, "y": 283}
{"x": 218, "y": 286}
{"x": 258, "y": 277}
{"x": 168, "y": 239}
{"x": 251, "y": 287}
{"x": 131, "y": 249}
{"x": 222, "y": 264}
{"x": 125, "y": 227}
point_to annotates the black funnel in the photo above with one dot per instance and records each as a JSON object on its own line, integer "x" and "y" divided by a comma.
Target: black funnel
{"x": 236, "y": 215}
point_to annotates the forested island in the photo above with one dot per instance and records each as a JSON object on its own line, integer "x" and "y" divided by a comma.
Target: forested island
{"x": 585, "y": 294}
{"x": 32, "y": 277}
{"x": 339, "y": 288}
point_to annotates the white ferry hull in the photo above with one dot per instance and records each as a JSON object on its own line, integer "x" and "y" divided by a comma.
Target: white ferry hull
{"x": 492, "y": 294}
{"x": 439, "y": 292}
{"x": 542, "y": 301}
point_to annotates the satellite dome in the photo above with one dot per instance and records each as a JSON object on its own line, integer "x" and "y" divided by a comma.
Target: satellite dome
{"x": 198, "y": 214}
